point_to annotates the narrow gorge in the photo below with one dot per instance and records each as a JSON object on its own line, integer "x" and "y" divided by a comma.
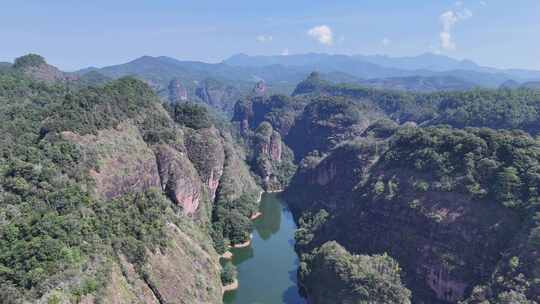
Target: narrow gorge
{"x": 111, "y": 193}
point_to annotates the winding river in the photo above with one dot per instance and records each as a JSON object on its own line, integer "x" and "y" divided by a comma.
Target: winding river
{"x": 267, "y": 268}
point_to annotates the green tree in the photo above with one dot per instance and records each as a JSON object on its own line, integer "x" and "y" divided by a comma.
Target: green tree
{"x": 507, "y": 187}
{"x": 228, "y": 273}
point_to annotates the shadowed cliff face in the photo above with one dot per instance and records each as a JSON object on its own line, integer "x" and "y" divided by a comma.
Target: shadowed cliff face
{"x": 218, "y": 95}
{"x": 445, "y": 203}
{"x": 330, "y": 274}
{"x": 447, "y": 239}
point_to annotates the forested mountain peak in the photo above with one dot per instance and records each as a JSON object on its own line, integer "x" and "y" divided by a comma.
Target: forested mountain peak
{"x": 30, "y": 60}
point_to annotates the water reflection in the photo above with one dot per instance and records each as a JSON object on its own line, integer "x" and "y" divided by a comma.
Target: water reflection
{"x": 267, "y": 269}
{"x": 269, "y": 223}
{"x": 242, "y": 254}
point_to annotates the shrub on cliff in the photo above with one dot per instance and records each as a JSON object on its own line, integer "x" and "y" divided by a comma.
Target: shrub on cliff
{"x": 308, "y": 226}
{"x": 330, "y": 274}
{"x": 228, "y": 273}
{"x": 502, "y": 165}
{"x": 234, "y": 225}
{"x": 191, "y": 115}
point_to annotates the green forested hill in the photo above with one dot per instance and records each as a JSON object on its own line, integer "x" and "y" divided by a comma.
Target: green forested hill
{"x": 406, "y": 174}
{"x": 109, "y": 196}
{"x": 101, "y": 190}
{"x": 498, "y": 109}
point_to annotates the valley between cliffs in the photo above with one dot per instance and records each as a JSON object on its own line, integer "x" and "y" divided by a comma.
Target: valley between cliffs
{"x": 110, "y": 195}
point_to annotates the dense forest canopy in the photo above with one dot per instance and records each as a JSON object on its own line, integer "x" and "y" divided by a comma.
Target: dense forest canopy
{"x": 498, "y": 109}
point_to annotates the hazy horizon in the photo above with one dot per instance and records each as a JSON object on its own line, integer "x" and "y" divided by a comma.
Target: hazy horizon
{"x": 71, "y": 35}
{"x": 257, "y": 55}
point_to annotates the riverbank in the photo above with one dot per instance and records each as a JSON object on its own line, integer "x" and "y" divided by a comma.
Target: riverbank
{"x": 255, "y": 215}
{"x": 233, "y": 286}
{"x": 244, "y": 244}
{"x": 275, "y": 191}
{"x": 265, "y": 266}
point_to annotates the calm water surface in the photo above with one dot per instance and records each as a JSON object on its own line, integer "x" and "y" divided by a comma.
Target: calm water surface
{"x": 267, "y": 269}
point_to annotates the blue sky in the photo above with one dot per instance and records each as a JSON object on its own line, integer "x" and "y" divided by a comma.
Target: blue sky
{"x": 74, "y": 34}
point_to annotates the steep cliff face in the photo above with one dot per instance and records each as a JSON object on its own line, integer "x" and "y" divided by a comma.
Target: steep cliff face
{"x": 324, "y": 123}
{"x": 236, "y": 179}
{"x": 179, "y": 178}
{"x": 177, "y": 91}
{"x": 187, "y": 271}
{"x": 126, "y": 191}
{"x": 218, "y": 95}
{"x": 272, "y": 160}
{"x": 125, "y": 286}
{"x": 124, "y": 163}
{"x": 448, "y": 237}
{"x": 205, "y": 148}
{"x": 260, "y": 89}
{"x": 279, "y": 110}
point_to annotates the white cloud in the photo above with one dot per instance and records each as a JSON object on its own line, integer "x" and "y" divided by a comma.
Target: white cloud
{"x": 264, "y": 38}
{"x": 323, "y": 34}
{"x": 446, "y": 41}
{"x": 386, "y": 41}
{"x": 448, "y": 20}
{"x": 285, "y": 52}
{"x": 483, "y": 3}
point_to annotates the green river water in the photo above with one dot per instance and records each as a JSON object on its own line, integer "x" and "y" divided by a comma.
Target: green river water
{"x": 267, "y": 268}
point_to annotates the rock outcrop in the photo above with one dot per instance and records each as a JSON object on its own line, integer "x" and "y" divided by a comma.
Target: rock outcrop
{"x": 125, "y": 286}
{"x": 179, "y": 178}
{"x": 260, "y": 89}
{"x": 177, "y": 91}
{"x": 205, "y": 148}
{"x": 185, "y": 272}
{"x": 125, "y": 163}
{"x": 268, "y": 157}
{"x": 218, "y": 95}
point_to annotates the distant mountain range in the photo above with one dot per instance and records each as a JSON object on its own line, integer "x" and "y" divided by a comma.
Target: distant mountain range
{"x": 378, "y": 66}
{"x": 222, "y": 84}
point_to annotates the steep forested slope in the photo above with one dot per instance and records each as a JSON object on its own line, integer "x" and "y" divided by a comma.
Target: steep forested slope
{"x": 456, "y": 208}
{"x": 106, "y": 197}
{"x": 451, "y": 206}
